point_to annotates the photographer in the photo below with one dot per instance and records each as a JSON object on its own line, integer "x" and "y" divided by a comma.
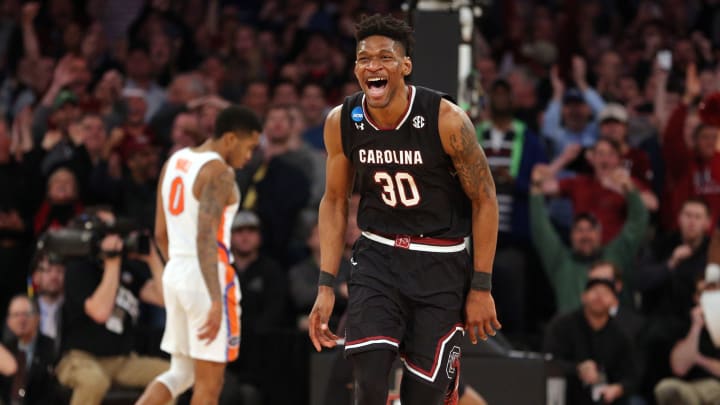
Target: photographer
{"x": 100, "y": 316}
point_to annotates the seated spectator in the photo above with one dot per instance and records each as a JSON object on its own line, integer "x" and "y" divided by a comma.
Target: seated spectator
{"x": 601, "y": 193}
{"x": 50, "y": 279}
{"x": 62, "y": 201}
{"x": 565, "y": 267}
{"x": 100, "y": 318}
{"x": 263, "y": 281}
{"x": 596, "y": 356}
{"x": 264, "y": 289}
{"x": 667, "y": 272}
{"x": 568, "y": 118}
{"x": 629, "y": 321}
{"x": 614, "y": 125}
{"x": 695, "y": 363}
{"x": 34, "y": 381}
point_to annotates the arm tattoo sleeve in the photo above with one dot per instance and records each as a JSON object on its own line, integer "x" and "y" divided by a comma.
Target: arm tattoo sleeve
{"x": 471, "y": 164}
{"x": 213, "y": 199}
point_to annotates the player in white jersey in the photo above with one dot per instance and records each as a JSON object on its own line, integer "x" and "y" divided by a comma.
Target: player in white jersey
{"x": 197, "y": 199}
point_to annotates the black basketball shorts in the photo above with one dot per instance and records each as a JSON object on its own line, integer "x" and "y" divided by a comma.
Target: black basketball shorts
{"x": 411, "y": 302}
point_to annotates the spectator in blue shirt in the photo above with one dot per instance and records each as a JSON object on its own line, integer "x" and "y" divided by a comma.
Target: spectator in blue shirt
{"x": 568, "y": 118}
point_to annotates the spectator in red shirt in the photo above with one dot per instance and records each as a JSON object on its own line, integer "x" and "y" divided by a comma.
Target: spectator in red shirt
{"x": 692, "y": 165}
{"x": 614, "y": 125}
{"x": 599, "y": 193}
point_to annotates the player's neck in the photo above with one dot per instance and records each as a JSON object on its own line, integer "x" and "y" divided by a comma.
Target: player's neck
{"x": 211, "y": 145}
{"x": 390, "y": 115}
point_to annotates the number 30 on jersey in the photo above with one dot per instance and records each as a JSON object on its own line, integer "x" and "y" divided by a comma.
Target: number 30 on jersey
{"x": 400, "y": 187}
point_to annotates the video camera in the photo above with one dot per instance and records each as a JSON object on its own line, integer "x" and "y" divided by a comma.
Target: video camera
{"x": 83, "y": 235}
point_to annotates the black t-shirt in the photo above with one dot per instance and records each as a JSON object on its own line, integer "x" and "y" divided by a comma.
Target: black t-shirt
{"x": 706, "y": 348}
{"x": 571, "y": 341}
{"x": 407, "y": 182}
{"x": 116, "y": 336}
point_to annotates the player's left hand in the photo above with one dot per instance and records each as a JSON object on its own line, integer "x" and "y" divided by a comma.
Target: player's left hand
{"x": 209, "y": 330}
{"x": 320, "y": 334}
{"x": 480, "y": 314}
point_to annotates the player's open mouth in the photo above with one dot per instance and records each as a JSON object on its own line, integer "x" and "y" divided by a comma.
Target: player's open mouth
{"x": 376, "y": 86}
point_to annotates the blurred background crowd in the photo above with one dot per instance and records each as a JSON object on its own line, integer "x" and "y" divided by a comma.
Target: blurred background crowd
{"x": 608, "y": 180}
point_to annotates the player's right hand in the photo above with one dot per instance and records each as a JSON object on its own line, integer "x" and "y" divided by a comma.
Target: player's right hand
{"x": 320, "y": 333}
{"x": 209, "y": 330}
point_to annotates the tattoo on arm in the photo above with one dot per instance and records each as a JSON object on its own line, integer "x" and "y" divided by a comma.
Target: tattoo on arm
{"x": 215, "y": 195}
{"x": 471, "y": 164}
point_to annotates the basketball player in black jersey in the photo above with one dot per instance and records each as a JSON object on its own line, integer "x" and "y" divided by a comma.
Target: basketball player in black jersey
{"x": 425, "y": 185}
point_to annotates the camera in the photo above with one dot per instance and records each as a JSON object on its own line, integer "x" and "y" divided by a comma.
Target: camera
{"x": 83, "y": 236}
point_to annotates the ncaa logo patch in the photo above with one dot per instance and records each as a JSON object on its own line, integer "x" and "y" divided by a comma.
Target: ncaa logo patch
{"x": 357, "y": 114}
{"x": 234, "y": 341}
{"x": 418, "y": 121}
{"x": 453, "y": 362}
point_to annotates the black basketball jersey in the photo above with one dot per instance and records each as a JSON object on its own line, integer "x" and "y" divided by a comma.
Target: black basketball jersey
{"x": 407, "y": 182}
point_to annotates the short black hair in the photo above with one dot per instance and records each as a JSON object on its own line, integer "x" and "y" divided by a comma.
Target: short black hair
{"x": 700, "y": 201}
{"x": 386, "y": 26}
{"x": 586, "y": 216}
{"x": 615, "y": 145}
{"x": 238, "y": 119}
{"x": 500, "y": 84}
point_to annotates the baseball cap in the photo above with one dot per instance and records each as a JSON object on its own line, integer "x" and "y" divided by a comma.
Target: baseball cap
{"x": 614, "y": 112}
{"x": 600, "y": 281}
{"x": 245, "y": 219}
{"x": 131, "y": 92}
{"x": 573, "y": 95}
{"x": 64, "y": 97}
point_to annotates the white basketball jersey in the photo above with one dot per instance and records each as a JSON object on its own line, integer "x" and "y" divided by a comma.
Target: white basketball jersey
{"x": 181, "y": 207}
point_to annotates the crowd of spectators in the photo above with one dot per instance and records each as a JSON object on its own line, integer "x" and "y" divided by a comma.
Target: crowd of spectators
{"x": 608, "y": 182}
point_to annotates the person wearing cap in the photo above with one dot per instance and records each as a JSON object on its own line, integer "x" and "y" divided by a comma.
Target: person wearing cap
{"x": 568, "y": 118}
{"x": 566, "y": 267}
{"x": 263, "y": 287}
{"x": 591, "y": 349}
{"x": 614, "y": 125}
{"x": 71, "y": 75}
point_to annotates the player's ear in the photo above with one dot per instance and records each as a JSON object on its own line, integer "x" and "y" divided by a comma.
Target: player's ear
{"x": 407, "y": 66}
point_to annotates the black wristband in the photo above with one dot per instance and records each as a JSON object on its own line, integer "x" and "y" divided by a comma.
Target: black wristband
{"x": 481, "y": 281}
{"x": 326, "y": 279}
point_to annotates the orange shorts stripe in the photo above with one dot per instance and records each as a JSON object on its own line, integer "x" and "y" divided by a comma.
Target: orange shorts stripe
{"x": 231, "y": 306}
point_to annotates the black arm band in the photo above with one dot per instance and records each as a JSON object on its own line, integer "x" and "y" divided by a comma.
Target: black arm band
{"x": 481, "y": 281}
{"x": 326, "y": 279}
